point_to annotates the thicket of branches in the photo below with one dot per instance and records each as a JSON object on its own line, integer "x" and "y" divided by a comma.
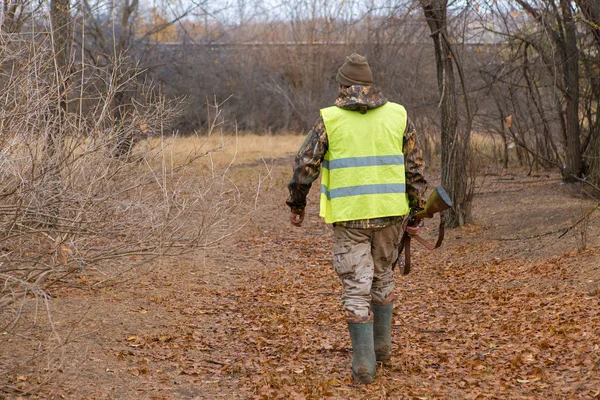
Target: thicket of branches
{"x": 70, "y": 201}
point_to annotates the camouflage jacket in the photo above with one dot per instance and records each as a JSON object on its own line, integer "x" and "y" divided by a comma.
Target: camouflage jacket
{"x": 308, "y": 160}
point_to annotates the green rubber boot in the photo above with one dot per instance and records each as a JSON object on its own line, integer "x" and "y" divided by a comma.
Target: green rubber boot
{"x": 363, "y": 359}
{"x": 382, "y": 331}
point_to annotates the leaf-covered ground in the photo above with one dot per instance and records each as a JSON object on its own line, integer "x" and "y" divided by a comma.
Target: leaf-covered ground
{"x": 504, "y": 310}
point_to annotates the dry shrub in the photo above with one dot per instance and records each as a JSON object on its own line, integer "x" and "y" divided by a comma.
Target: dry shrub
{"x": 67, "y": 205}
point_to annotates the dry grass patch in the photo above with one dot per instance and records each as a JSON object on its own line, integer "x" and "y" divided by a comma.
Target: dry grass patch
{"x": 223, "y": 150}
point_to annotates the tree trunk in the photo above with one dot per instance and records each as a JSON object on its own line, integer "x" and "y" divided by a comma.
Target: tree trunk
{"x": 591, "y": 12}
{"x": 570, "y": 58}
{"x": 122, "y": 101}
{"x": 455, "y": 149}
{"x": 505, "y": 126}
{"x": 594, "y": 169}
{"x": 53, "y": 152}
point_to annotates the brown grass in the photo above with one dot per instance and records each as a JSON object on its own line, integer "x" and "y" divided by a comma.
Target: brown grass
{"x": 225, "y": 149}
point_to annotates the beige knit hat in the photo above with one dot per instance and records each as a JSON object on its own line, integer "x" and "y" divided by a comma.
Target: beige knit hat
{"x": 355, "y": 71}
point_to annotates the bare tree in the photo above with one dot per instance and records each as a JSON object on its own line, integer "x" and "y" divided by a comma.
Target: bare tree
{"x": 455, "y": 144}
{"x": 557, "y": 20}
{"x": 546, "y": 76}
{"x": 56, "y": 83}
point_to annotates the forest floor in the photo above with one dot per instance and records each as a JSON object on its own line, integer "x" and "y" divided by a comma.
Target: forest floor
{"x": 508, "y": 308}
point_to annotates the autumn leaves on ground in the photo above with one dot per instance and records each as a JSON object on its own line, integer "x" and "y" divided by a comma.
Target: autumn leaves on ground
{"x": 508, "y": 308}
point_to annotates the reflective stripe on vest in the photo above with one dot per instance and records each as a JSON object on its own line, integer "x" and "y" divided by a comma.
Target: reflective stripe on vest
{"x": 363, "y": 161}
{"x": 364, "y": 189}
{"x": 363, "y": 171}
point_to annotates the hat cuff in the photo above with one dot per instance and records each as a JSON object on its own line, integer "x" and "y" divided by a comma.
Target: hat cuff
{"x": 344, "y": 80}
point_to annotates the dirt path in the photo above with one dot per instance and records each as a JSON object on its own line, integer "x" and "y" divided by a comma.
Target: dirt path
{"x": 504, "y": 310}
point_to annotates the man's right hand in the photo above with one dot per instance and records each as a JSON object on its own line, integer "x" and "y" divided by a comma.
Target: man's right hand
{"x": 297, "y": 219}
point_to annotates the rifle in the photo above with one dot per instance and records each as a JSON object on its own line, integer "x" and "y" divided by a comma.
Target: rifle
{"x": 437, "y": 202}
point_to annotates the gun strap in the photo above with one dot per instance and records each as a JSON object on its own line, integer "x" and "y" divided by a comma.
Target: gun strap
{"x": 406, "y": 266}
{"x": 405, "y": 245}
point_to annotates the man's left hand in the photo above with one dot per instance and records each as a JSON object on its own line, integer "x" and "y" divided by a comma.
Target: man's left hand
{"x": 411, "y": 230}
{"x": 297, "y": 219}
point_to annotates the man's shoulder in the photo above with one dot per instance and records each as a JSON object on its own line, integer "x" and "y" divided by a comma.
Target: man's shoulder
{"x": 392, "y": 105}
{"x": 328, "y": 109}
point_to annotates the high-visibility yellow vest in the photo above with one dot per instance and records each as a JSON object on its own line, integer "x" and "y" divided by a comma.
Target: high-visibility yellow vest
{"x": 362, "y": 173}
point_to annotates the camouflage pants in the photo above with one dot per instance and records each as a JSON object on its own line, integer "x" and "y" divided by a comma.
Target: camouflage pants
{"x": 363, "y": 260}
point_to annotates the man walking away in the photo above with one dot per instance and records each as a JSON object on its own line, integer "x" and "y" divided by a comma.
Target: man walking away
{"x": 372, "y": 176}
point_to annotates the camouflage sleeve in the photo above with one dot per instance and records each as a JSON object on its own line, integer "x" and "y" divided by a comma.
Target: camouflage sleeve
{"x": 307, "y": 165}
{"x": 414, "y": 165}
